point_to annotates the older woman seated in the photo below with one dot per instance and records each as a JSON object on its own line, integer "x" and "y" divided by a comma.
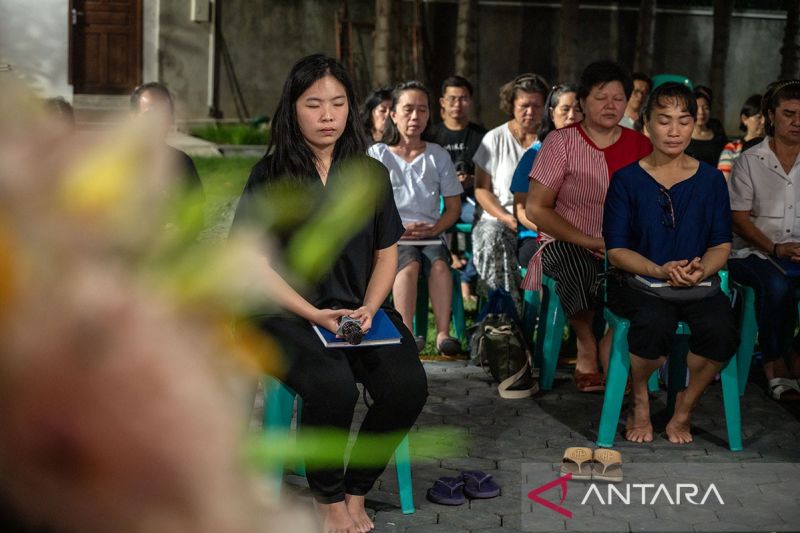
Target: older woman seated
{"x": 567, "y": 189}
{"x": 667, "y": 229}
{"x": 420, "y": 173}
{"x": 763, "y": 189}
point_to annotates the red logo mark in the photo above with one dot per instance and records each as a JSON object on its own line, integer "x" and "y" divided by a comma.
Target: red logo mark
{"x": 560, "y": 482}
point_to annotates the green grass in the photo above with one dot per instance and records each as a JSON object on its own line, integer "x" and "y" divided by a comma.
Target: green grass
{"x": 223, "y": 180}
{"x": 232, "y": 134}
{"x": 224, "y": 177}
{"x": 430, "y": 350}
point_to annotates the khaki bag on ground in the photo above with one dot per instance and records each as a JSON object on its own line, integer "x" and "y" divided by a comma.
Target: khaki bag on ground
{"x": 498, "y": 346}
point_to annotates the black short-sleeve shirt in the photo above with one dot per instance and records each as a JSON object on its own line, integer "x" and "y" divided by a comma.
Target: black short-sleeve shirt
{"x": 345, "y": 285}
{"x": 461, "y": 145}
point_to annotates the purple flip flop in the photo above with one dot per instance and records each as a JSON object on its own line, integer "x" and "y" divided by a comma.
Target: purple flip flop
{"x": 479, "y": 485}
{"x": 447, "y": 491}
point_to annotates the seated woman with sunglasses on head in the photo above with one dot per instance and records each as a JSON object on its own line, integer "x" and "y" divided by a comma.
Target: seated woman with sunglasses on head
{"x": 667, "y": 229}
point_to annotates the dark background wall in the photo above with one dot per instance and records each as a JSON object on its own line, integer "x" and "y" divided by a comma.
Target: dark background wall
{"x": 264, "y": 38}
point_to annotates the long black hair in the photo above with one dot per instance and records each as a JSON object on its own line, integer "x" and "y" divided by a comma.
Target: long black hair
{"x": 550, "y": 104}
{"x": 391, "y": 135}
{"x": 288, "y": 152}
{"x": 372, "y": 101}
{"x": 750, "y": 108}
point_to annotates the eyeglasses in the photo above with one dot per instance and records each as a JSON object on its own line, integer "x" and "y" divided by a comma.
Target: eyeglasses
{"x": 665, "y": 201}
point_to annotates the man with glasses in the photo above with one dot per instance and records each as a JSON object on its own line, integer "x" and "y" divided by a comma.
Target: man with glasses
{"x": 461, "y": 138}
{"x": 457, "y": 134}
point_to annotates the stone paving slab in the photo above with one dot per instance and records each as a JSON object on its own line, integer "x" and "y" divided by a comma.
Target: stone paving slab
{"x": 522, "y": 441}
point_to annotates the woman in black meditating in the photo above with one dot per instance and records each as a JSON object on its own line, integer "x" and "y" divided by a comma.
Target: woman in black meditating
{"x": 315, "y": 131}
{"x": 667, "y": 221}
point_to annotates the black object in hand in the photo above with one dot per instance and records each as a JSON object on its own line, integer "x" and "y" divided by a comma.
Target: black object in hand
{"x": 464, "y": 167}
{"x": 350, "y": 330}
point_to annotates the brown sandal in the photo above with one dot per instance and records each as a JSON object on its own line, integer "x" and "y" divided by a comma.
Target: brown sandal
{"x": 589, "y": 382}
{"x": 607, "y": 465}
{"x": 578, "y": 462}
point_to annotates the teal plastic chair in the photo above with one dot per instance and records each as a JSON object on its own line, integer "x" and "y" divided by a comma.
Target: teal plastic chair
{"x": 661, "y": 79}
{"x": 278, "y": 410}
{"x": 548, "y": 333}
{"x": 748, "y": 331}
{"x": 748, "y": 328}
{"x": 457, "y": 316}
{"x": 619, "y": 368}
{"x": 530, "y": 309}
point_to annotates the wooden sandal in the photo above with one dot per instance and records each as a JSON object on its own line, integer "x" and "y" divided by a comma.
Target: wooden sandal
{"x": 578, "y": 462}
{"x": 607, "y": 466}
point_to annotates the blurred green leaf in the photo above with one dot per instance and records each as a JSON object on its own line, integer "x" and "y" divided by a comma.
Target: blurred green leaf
{"x": 317, "y": 245}
{"x": 322, "y": 448}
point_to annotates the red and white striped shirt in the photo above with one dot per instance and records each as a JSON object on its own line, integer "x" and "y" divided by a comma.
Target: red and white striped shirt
{"x": 573, "y": 166}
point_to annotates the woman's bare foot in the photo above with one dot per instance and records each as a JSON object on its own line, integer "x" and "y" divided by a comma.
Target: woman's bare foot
{"x": 457, "y": 262}
{"x": 336, "y": 518}
{"x": 466, "y": 293}
{"x": 355, "y": 506}
{"x": 638, "y": 427}
{"x": 678, "y": 428}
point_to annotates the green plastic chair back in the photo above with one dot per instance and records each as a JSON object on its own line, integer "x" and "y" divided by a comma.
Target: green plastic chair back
{"x": 661, "y": 79}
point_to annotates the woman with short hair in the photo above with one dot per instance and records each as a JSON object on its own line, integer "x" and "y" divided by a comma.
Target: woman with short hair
{"x": 751, "y": 122}
{"x": 421, "y": 173}
{"x": 494, "y": 237}
{"x": 667, "y": 229}
{"x": 765, "y": 189}
{"x": 561, "y": 110}
{"x": 706, "y": 144}
{"x": 568, "y": 187}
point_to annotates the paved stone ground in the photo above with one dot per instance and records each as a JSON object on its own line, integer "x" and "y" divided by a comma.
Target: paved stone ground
{"x": 505, "y": 437}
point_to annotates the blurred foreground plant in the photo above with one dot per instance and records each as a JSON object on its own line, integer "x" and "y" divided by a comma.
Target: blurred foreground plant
{"x": 123, "y": 386}
{"x": 121, "y": 408}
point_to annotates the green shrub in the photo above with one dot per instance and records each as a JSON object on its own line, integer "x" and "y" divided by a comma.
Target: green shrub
{"x": 232, "y": 134}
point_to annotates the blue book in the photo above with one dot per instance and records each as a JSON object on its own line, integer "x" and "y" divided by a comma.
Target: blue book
{"x": 381, "y": 333}
{"x": 788, "y": 267}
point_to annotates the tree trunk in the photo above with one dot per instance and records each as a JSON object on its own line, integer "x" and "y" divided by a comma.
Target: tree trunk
{"x": 613, "y": 31}
{"x": 383, "y": 53}
{"x": 723, "y": 9}
{"x": 418, "y": 45}
{"x": 790, "y": 51}
{"x": 567, "y": 41}
{"x": 643, "y": 61}
{"x": 466, "y": 29}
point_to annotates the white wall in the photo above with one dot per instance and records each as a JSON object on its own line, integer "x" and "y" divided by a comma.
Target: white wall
{"x": 150, "y": 29}
{"x": 34, "y": 40}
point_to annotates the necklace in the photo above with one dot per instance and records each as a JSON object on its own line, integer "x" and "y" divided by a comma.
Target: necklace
{"x": 519, "y": 135}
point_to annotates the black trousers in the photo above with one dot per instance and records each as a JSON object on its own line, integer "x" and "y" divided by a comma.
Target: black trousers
{"x": 326, "y": 378}
{"x": 653, "y": 323}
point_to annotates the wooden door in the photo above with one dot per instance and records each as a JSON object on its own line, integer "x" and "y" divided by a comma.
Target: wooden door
{"x": 106, "y": 45}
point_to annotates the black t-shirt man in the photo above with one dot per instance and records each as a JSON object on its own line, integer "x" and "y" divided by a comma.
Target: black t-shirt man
{"x": 460, "y": 144}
